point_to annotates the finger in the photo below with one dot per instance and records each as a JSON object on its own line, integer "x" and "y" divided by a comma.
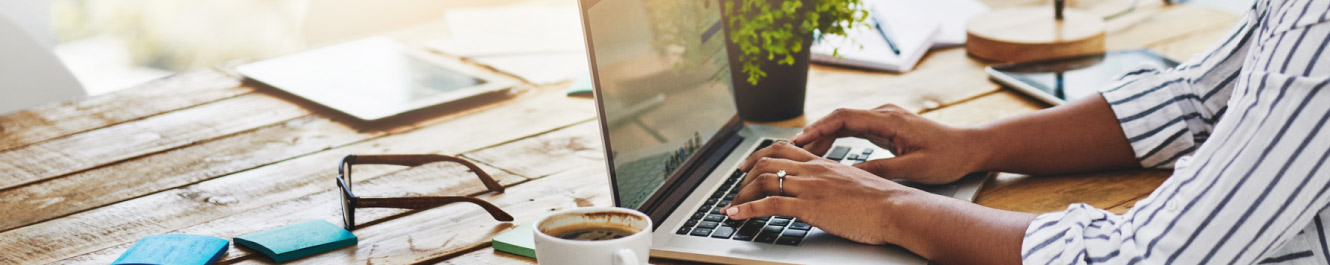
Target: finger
{"x": 772, "y": 166}
{"x": 819, "y": 147}
{"x": 781, "y": 150}
{"x": 768, "y": 185}
{"x": 849, "y": 122}
{"x": 911, "y": 167}
{"x": 784, "y": 206}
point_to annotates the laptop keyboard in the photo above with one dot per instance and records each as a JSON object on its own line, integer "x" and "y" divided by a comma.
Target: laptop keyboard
{"x": 708, "y": 221}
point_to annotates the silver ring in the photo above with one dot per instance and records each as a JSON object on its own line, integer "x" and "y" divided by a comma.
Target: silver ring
{"x": 780, "y": 182}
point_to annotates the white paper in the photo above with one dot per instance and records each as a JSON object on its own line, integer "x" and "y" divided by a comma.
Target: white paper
{"x": 540, "y": 44}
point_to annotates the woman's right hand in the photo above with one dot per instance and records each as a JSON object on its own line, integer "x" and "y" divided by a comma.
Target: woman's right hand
{"x": 926, "y": 151}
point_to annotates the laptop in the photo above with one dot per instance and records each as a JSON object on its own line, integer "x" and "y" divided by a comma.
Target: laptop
{"x": 673, "y": 141}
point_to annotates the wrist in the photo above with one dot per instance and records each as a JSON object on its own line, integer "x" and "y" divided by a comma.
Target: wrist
{"x": 980, "y": 145}
{"x": 905, "y": 206}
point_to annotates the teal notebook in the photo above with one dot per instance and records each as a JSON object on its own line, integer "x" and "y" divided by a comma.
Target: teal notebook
{"x": 518, "y": 241}
{"x": 182, "y": 249}
{"x": 298, "y": 240}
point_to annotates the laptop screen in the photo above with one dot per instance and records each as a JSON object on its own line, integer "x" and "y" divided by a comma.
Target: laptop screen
{"x": 663, "y": 82}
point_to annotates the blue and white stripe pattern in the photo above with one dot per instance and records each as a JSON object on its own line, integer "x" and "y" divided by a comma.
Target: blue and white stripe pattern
{"x": 1244, "y": 126}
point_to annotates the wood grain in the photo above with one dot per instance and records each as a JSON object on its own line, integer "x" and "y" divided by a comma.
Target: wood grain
{"x": 175, "y": 92}
{"x": 430, "y": 179}
{"x": 148, "y": 174}
{"x": 548, "y": 153}
{"x": 1040, "y": 194}
{"x": 154, "y": 134}
{"x": 290, "y": 179}
{"x": 1002, "y": 104}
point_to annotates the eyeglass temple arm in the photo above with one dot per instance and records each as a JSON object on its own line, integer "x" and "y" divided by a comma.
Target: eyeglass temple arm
{"x": 431, "y": 202}
{"x": 416, "y": 160}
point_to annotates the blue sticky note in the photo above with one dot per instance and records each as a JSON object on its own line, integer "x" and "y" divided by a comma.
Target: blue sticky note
{"x": 581, "y": 87}
{"x": 182, "y": 249}
{"x": 298, "y": 240}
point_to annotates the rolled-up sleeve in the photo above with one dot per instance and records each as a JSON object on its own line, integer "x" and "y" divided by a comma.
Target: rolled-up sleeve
{"x": 1167, "y": 113}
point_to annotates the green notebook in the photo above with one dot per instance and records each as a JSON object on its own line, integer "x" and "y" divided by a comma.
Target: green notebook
{"x": 518, "y": 241}
{"x": 298, "y": 240}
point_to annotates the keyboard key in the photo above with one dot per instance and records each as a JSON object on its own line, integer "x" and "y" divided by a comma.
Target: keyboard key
{"x": 708, "y": 224}
{"x": 746, "y": 234}
{"x": 756, "y": 223}
{"x": 724, "y": 203}
{"x": 786, "y": 240}
{"x": 800, "y": 226}
{"x": 715, "y": 218}
{"x": 779, "y": 222}
{"x": 700, "y": 214}
{"x": 701, "y": 232}
{"x": 838, "y": 153}
{"x": 729, "y": 197}
{"x": 690, "y": 222}
{"x": 764, "y": 237}
{"x": 684, "y": 230}
{"x": 722, "y": 232}
{"x": 852, "y": 157}
{"x": 794, "y": 233}
{"x": 868, "y": 151}
{"x": 765, "y": 144}
{"x": 716, "y": 210}
{"x": 764, "y": 218}
{"x": 732, "y": 223}
{"x": 711, "y": 201}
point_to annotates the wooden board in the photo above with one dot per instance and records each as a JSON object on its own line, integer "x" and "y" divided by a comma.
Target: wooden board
{"x": 290, "y": 179}
{"x": 127, "y": 140}
{"x": 175, "y": 92}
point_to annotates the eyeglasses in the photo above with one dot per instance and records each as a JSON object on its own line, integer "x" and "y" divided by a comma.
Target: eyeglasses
{"x": 350, "y": 202}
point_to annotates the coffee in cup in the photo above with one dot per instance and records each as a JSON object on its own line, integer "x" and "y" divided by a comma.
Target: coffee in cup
{"x": 593, "y": 235}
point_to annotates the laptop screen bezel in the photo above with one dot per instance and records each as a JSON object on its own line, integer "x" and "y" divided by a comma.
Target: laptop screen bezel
{"x": 681, "y": 182}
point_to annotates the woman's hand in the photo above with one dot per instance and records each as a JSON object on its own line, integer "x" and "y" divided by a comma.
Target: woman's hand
{"x": 836, "y": 198}
{"x": 926, "y": 151}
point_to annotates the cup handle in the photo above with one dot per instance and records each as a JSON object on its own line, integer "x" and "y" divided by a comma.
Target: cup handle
{"x": 625, "y": 257}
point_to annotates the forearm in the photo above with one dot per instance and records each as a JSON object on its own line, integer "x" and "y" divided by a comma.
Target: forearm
{"x": 1079, "y": 136}
{"x": 950, "y": 231}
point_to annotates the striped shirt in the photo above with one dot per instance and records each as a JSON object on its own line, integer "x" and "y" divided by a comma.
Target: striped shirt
{"x": 1244, "y": 128}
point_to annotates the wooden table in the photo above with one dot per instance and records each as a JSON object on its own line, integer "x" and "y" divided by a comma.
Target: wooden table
{"x": 205, "y": 152}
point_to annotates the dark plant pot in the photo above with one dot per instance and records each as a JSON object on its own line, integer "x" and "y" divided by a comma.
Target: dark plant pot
{"x": 777, "y": 97}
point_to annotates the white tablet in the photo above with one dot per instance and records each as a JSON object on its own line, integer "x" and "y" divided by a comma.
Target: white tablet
{"x": 375, "y": 78}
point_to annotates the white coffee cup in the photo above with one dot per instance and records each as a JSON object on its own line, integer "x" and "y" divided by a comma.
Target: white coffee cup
{"x": 632, "y": 249}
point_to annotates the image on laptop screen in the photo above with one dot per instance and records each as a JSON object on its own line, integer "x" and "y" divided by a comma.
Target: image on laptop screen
{"x": 664, "y": 86}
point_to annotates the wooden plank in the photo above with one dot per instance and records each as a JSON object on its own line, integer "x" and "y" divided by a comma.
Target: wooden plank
{"x": 432, "y": 235}
{"x": 128, "y": 140}
{"x": 1148, "y": 25}
{"x": 175, "y": 92}
{"x": 1040, "y": 194}
{"x": 549, "y": 148}
{"x": 1182, "y": 48}
{"x": 189, "y": 205}
{"x": 1002, "y": 104}
{"x": 145, "y": 175}
{"x": 430, "y": 179}
{"x": 547, "y": 153}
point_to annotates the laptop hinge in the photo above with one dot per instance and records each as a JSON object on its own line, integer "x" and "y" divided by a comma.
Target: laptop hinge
{"x": 685, "y": 180}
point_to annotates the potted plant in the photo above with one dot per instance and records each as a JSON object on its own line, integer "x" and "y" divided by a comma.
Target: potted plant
{"x": 768, "y": 42}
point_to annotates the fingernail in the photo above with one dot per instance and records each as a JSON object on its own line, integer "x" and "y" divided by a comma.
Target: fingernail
{"x": 731, "y": 211}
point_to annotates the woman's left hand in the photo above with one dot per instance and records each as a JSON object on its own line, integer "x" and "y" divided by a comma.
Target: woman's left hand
{"x": 837, "y": 198}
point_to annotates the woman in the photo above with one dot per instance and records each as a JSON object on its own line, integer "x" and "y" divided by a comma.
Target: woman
{"x": 1242, "y": 125}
